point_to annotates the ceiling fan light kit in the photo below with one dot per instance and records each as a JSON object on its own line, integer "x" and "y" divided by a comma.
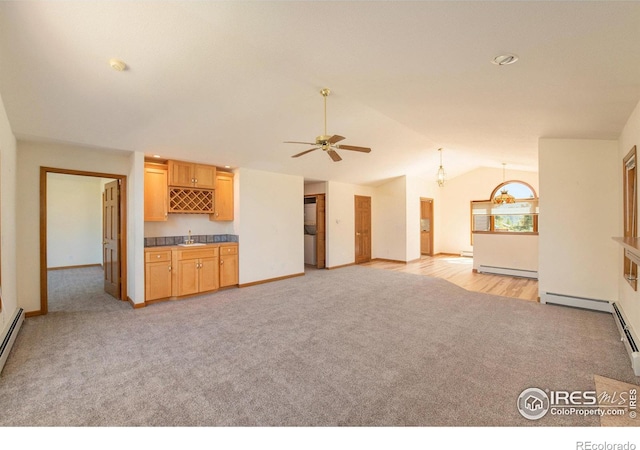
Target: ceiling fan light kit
{"x": 326, "y": 142}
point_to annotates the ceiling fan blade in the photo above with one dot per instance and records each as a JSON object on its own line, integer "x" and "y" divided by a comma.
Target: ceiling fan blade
{"x": 335, "y": 138}
{"x": 305, "y": 152}
{"x": 298, "y": 142}
{"x": 334, "y": 155}
{"x": 354, "y": 148}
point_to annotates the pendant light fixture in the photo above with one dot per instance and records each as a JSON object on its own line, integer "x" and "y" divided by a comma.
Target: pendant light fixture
{"x": 441, "y": 174}
{"x": 504, "y": 196}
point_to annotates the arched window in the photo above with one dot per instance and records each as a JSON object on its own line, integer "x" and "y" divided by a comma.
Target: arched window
{"x": 518, "y": 189}
{"x": 512, "y": 208}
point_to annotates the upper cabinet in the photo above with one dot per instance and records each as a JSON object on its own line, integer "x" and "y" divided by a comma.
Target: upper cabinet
{"x": 185, "y": 174}
{"x": 178, "y": 187}
{"x": 223, "y": 197}
{"x": 155, "y": 192}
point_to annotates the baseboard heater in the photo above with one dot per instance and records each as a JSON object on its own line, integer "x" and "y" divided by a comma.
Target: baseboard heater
{"x": 627, "y": 337}
{"x": 508, "y": 271}
{"x": 10, "y": 336}
{"x": 575, "y": 301}
{"x": 466, "y": 253}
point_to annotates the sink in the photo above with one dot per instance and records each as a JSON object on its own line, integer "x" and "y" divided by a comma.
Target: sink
{"x": 195, "y": 244}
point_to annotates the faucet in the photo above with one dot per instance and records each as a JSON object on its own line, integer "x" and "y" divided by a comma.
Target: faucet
{"x": 189, "y": 240}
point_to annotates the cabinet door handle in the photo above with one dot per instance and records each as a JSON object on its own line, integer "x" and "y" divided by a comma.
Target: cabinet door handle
{"x": 158, "y": 256}
{"x": 169, "y": 268}
{"x": 221, "y": 262}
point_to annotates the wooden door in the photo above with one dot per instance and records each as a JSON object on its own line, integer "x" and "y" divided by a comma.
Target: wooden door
{"x": 111, "y": 238}
{"x": 204, "y": 176}
{"x": 223, "y": 197}
{"x": 208, "y": 274}
{"x": 320, "y": 232}
{"x": 155, "y": 193}
{"x": 188, "y": 276}
{"x": 180, "y": 174}
{"x": 157, "y": 280}
{"x": 362, "y": 229}
{"x": 426, "y": 226}
{"x": 228, "y": 270}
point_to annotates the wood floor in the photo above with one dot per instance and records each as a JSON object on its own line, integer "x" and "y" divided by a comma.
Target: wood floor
{"x": 459, "y": 270}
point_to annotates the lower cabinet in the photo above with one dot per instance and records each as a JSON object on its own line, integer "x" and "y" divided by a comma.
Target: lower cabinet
{"x": 228, "y": 265}
{"x": 157, "y": 272}
{"x": 172, "y": 272}
{"x": 197, "y": 271}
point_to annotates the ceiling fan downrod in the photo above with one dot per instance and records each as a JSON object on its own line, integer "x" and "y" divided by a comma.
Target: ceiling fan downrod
{"x": 325, "y": 92}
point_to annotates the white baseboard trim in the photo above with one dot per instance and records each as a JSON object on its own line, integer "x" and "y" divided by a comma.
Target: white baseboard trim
{"x": 575, "y": 301}
{"x": 628, "y": 338}
{"x": 9, "y": 336}
{"x": 508, "y": 271}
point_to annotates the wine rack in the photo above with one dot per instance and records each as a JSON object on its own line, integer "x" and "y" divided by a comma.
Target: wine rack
{"x": 190, "y": 200}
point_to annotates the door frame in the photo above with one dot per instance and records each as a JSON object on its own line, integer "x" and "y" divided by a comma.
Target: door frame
{"x": 321, "y": 244}
{"x": 355, "y": 228}
{"x": 431, "y": 227}
{"x": 44, "y": 288}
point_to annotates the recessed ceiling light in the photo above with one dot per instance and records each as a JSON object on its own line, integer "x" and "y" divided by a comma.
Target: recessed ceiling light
{"x": 227, "y": 167}
{"x": 117, "y": 65}
{"x": 505, "y": 60}
{"x": 156, "y": 156}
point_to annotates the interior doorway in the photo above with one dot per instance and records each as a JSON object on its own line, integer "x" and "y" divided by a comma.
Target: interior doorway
{"x": 108, "y": 241}
{"x": 315, "y": 230}
{"x": 362, "y": 229}
{"x": 426, "y": 226}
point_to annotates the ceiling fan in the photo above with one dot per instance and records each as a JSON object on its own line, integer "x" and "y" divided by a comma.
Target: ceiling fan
{"x": 328, "y": 143}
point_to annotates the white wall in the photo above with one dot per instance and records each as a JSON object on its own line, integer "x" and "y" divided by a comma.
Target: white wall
{"x": 510, "y": 251}
{"x": 180, "y": 224}
{"x": 315, "y": 188}
{"x": 456, "y": 196}
{"x": 341, "y": 222}
{"x": 8, "y": 207}
{"x": 579, "y": 188}
{"x": 270, "y": 225}
{"x": 629, "y": 299}
{"x": 74, "y": 220}
{"x": 33, "y": 155}
{"x": 389, "y": 220}
{"x": 135, "y": 227}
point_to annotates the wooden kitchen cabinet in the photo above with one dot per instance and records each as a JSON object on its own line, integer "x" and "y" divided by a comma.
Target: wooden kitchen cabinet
{"x": 177, "y": 271}
{"x": 223, "y": 197}
{"x": 228, "y": 265}
{"x": 157, "y": 274}
{"x": 155, "y": 192}
{"x": 185, "y": 174}
{"x": 196, "y": 271}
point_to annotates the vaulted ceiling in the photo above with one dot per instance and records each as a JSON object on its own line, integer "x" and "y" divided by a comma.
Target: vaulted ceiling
{"x": 226, "y": 82}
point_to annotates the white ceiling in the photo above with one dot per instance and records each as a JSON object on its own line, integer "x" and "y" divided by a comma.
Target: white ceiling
{"x": 225, "y": 82}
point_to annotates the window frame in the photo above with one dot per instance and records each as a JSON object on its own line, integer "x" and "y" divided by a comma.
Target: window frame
{"x": 630, "y": 212}
{"x": 492, "y": 221}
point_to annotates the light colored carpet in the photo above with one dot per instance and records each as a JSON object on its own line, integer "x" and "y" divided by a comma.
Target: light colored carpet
{"x": 614, "y": 394}
{"x": 354, "y": 346}
{"x": 80, "y": 289}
